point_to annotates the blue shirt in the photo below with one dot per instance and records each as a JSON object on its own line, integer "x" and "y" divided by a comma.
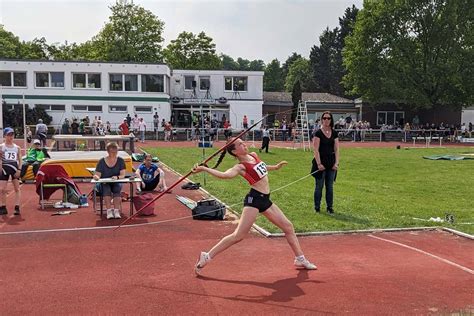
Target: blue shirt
{"x": 147, "y": 174}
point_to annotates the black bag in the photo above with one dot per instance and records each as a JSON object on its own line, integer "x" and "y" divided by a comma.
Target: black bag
{"x": 209, "y": 210}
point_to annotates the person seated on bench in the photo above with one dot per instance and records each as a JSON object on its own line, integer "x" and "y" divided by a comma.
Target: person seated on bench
{"x": 112, "y": 166}
{"x": 152, "y": 176}
{"x": 34, "y": 157}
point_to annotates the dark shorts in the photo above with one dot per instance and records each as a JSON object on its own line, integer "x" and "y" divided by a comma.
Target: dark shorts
{"x": 8, "y": 171}
{"x": 152, "y": 184}
{"x": 258, "y": 200}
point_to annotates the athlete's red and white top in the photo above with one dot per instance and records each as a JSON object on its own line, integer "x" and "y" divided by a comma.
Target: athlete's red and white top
{"x": 254, "y": 171}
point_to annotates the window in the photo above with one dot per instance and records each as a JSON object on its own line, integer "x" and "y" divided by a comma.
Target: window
{"x": 19, "y": 79}
{"x": 118, "y": 108}
{"x": 153, "y": 83}
{"x": 390, "y": 117}
{"x": 189, "y": 83}
{"x": 143, "y": 109}
{"x": 50, "y": 79}
{"x": 116, "y": 82}
{"x": 6, "y": 79}
{"x": 235, "y": 83}
{"x": 51, "y": 107}
{"x": 131, "y": 83}
{"x": 86, "y": 80}
{"x": 87, "y": 108}
{"x": 204, "y": 83}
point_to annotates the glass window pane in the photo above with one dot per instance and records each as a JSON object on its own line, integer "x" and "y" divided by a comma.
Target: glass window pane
{"x": 95, "y": 108}
{"x": 131, "y": 83}
{"x": 93, "y": 81}
{"x": 146, "y": 109}
{"x": 19, "y": 79}
{"x": 118, "y": 108}
{"x": 399, "y": 118}
{"x": 6, "y": 79}
{"x": 204, "y": 83}
{"x": 240, "y": 83}
{"x": 390, "y": 118}
{"x": 79, "y": 80}
{"x": 228, "y": 83}
{"x": 58, "y": 107}
{"x": 79, "y": 108}
{"x": 116, "y": 82}
{"x": 42, "y": 79}
{"x": 381, "y": 118}
{"x": 152, "y": 83}
{"x": 188, "y": 82}
{"x": 45, "y": 107}
{"x": 57, "y": 79}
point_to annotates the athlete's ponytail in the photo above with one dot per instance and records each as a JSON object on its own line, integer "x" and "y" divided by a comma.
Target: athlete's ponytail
{"x": 229, "y": 150}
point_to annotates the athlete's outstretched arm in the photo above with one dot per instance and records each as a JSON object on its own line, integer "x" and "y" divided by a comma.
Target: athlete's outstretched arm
{"x": 228, "y": 174}
{"x": 277, "y": 166}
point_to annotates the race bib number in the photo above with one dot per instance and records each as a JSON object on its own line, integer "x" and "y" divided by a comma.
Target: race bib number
{"x": 261, "y": 169}
{"x": 10, "y": 155}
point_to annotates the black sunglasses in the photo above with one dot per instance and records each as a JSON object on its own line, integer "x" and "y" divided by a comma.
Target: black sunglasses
{"x": 326, "y": 118}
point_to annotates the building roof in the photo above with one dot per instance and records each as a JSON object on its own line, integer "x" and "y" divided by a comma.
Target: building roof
{"x": 313, "y": 97}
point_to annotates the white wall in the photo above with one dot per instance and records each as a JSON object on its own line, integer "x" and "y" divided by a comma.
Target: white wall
{"x": 237, "y": 109}
{"x": 467, "y": 115}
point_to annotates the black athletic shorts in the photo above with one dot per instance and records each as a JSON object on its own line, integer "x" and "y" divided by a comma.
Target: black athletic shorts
{"x": 8, "y": 171}
{"x": 258, "y": 200}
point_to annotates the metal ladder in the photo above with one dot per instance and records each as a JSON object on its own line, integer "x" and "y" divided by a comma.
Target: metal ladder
{"x": 302, "y": 127}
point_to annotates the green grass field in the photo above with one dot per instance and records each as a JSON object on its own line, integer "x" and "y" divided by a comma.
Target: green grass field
{"x": 375, "y": 188}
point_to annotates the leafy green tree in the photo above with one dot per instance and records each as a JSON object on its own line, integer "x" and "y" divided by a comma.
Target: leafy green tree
{"x": 243, "y": 64}
{"x": 228, "y": 63}
{"x": 273, "y": 77}
{"x": 296, "y": 97}
{"x": 286, "y": 65}
{"x": 9, "y": 44}
{"x": 419, "y": 52}
{"x": 257, "y": 65}
{"x": 300, "y": 71}
{"x": 190, "y": 51}
{"x": 132, "y": 34}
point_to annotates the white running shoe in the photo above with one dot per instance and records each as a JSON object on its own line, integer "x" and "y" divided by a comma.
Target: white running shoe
{"x": 202, "y": 261}
{"x": 305, "y": 264}
{"x": 110, "y": 213}
{"x": 117, "y": 213}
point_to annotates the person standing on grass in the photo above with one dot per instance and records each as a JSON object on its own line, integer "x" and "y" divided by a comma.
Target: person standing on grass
{"x": 10, "y": 166}
{"x": 257, "y": 201}
{"x": 265, "y": 140}
{"x": 325, "y": 161}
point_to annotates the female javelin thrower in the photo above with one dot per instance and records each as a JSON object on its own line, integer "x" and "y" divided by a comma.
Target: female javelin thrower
{"x": 256, "y": 201}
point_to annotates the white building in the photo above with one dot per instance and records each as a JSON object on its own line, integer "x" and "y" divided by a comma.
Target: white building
{"x": 113, "y": 90}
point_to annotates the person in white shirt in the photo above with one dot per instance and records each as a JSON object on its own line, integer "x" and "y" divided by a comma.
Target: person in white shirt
{"x": 135, "y": 124}
{"x": 142, "y": 129}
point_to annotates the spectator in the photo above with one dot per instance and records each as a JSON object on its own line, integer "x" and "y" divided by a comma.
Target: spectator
{"x": 168, "y": 130}
{"x": 65, "y": 127}
{"x": 29, "y": 135}
{"x": 142, "y": 129}
{"x": 10, "y": 166}
{"x": 470, "y": 129}
{"x": 325, "y": 162}
{"x": 129, "y": 120}
{"x": 151, "y": 175}
{"x": 124, "y": 127}
{"x": 75, "y": 127}
{"x": 135, "y": 124}
{"x": 265, "y": 139}
{"x": 112, "y": 166}
{"x": 227, "y": 130}
{"x": 41, "y": 132}
{"x": 82, "y": 127}
{"x": 245, "y": 122}
{"x": 108, "y": 127}
{"x": 94, "y": 126}
{"x": 34, "y": 157}
{"x": 156, "y": 121}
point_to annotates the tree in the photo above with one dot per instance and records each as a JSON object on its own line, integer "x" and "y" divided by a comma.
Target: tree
{"x": 286, "y": 65}
{"x": 228, "y": 63}
{"x": 273, "y": 77}
{"x": 190, "y": 51}
{"x": 9, "y": 44}
{"x": 243, "y": 64}
{"x": 296, "y": 97}
{"x": 300, "y": 71}
{"x": 326, "y": 59}
{"x": 257, "y": 65}
{"x": 132, "y": 34}
{"x": 415, "y": 52}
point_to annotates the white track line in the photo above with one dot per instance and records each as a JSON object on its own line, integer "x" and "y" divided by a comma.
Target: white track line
{"x": 426, "y": 253}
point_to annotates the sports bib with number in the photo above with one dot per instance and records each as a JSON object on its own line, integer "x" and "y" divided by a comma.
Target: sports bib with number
{"x": 10, "y": 153}
{"x": 254, "y": 171}
{"x": 261, "y": 169}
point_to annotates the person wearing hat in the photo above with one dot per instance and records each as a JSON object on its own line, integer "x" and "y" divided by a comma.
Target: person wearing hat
{"x": 34, "y": 157}
{"x": 41, "y": 132}
{"x": 10, "y": 166}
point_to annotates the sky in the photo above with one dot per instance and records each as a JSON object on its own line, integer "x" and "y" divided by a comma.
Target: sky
{"x": 258, "y": 29}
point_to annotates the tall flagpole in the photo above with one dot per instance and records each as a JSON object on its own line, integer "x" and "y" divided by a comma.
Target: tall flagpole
{"x": 24, "y": 123}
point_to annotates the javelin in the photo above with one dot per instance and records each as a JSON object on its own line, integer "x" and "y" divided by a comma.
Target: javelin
{"x": 190, "y": 172}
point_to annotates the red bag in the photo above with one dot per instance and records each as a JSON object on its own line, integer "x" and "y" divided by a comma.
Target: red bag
{"x": 141, "y": 200}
